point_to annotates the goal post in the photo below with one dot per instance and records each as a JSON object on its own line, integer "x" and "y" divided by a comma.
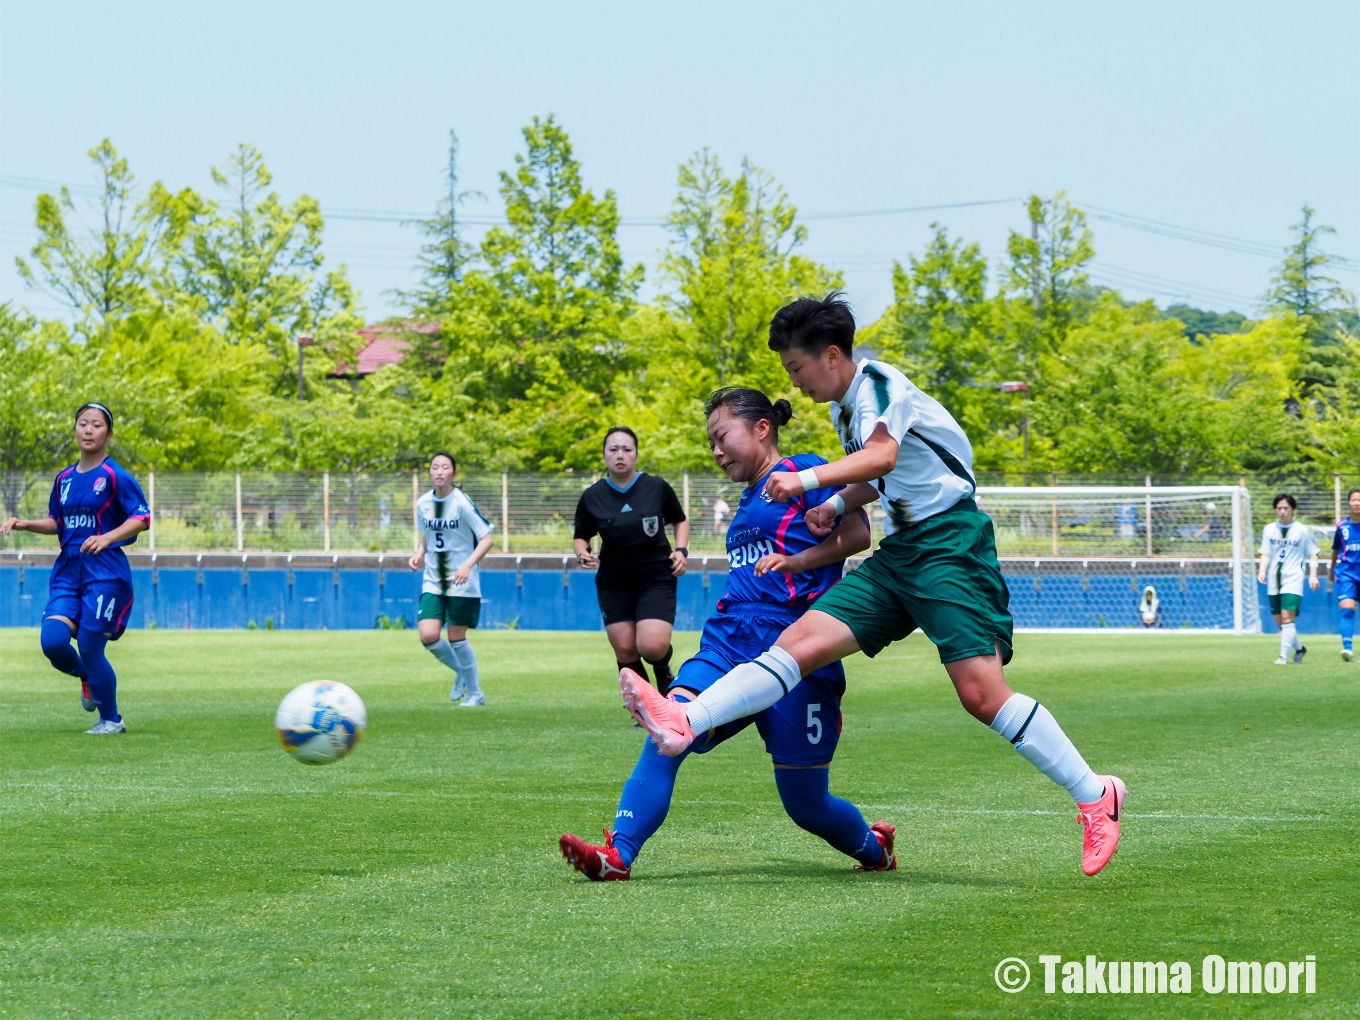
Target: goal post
{"x": 1083, "y": 557}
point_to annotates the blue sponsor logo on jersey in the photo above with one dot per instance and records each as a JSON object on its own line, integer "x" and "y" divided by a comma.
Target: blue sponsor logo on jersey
{"x": 748, "y": 555}
{"x": 73, "y": 521}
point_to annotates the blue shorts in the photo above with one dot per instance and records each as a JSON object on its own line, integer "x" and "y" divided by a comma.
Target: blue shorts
{"x": 803, "y": 727}
{"x": 97, "y": 600}
{"x": 1345, "y": 587}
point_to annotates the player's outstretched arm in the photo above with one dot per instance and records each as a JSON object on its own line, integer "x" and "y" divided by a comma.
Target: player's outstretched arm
{"x": 876, "y": 459}
{"x": 852, "y": 536}
{"x": 42, "y": 526}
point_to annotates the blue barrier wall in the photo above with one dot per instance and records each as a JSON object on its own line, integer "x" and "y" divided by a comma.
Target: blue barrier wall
{"x": 345, "y": 599}
{"x": 539, "y": 600}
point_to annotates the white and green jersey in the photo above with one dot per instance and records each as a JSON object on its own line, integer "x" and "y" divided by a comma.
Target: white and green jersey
{"x": 451, "y": 528}
{"x": 1287, "y": 549}
{"x": 934, "y": 467}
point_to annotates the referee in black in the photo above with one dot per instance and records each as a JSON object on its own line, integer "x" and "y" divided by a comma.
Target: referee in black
{"x": 629, "y": 510}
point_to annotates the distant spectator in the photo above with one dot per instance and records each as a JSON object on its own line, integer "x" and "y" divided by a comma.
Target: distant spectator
{"x": 1150, "y": 608}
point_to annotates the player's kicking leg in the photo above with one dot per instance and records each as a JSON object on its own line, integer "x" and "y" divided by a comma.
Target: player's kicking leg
{"x": 819, "y": 638}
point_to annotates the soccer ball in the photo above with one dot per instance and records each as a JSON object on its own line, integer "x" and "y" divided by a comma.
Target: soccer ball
{"x": 320, "y": 722}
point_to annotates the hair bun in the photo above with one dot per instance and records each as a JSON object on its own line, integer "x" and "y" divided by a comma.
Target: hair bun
{"x": 783, "y": 411}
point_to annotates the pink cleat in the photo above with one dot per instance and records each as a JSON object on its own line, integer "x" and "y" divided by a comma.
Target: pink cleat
{"x": 1100, "y": 822}
{"x": 663, "y": 718}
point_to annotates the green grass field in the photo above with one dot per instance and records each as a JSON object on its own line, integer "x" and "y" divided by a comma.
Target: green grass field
{"x": 191, "y": 869}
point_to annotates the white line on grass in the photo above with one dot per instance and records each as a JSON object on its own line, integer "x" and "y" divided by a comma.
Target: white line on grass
{"x": 237, "y": 791}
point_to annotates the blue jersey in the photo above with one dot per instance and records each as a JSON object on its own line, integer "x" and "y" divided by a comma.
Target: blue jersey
{"x": 1346, "y": 543}
{"x": 761, "y": 527}
{"x": 94, "y": 502}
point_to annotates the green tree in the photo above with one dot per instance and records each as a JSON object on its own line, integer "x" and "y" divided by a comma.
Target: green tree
{"x": 445, "y": 256}
{"x": 534, "y": 332}
{"x": 1301, "y": 285}
{"x": 732, "y": 262}
{"x": 1047, "y": 267}
{"x": 252, "y": 267}
{"x": 1129, "y": 393}
{"x": 941, "y": 317}
{"x": 112, "y": 268}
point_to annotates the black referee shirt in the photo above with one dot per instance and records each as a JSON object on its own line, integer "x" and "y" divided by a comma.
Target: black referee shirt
{"x": 631, "y": 524}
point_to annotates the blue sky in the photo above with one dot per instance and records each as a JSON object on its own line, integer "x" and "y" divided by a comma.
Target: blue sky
{"x": 1218, "y": 118}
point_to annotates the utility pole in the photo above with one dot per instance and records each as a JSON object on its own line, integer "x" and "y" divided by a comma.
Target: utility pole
{"x": 303, "y": 343}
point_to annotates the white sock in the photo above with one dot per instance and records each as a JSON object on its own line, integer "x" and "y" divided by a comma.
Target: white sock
{"x": 1034, "y": 732}
{"x": 443, "y": 651}
{"x": 1288, "y": 635}
{"x": 467, "y": 664}
{"x": 750, "y": 688}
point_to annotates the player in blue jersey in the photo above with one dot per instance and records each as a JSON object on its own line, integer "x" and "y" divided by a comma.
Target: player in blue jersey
{"x": 1345, "y": 572}
{"x": 95, "y": 509}
{"x": 778, "y": 568}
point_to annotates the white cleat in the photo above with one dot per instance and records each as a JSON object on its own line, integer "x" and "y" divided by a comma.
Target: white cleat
{"x": 106, "y": 726}
{"x": 1347, "y": 655}
{"x": 458, "y": 691}
{"x": 1282, "y": 661}
{"x": 473, "y": 700}
{"x": 1299, "y": 653}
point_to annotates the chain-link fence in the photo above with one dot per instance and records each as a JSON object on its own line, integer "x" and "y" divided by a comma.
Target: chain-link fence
{"x": 274, "y": 511}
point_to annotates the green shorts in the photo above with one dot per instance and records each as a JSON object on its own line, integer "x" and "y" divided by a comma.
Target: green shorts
{"x": 1279, "y": 603}
{"x": 941, "y": 575}
{"x": 455, "y": 610}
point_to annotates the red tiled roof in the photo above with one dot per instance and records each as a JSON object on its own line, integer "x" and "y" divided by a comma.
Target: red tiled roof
{"x": 383, "y": 346}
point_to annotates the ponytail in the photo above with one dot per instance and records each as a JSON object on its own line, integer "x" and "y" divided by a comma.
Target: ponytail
{"x": 750, "y": 405}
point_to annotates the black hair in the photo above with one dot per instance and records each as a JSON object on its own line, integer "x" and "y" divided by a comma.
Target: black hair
{"x": 750, "y": 405}
{"x": 1350, "y": 494}
{"x": 813, "y": 326}
{"x": 1293, "y": 503}
{"x": 108, "y": 415}
{"x": 444, "y": 453}
{"x": 625, "y": 430}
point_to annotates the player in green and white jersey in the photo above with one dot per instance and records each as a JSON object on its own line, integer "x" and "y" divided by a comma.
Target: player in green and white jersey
{"x": 454, "y": 536}
{"x": 936, "y": 570}
{"x": 1285, "y": 544}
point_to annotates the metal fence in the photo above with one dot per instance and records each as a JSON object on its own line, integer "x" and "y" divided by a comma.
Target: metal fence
{"x": 271, "y": 511}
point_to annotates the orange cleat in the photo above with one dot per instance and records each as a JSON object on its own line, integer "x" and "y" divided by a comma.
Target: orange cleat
{"x": 597, "y": 863}
{"x": 663, "y": 718}
{"x": 886, "y": 834}
{"x": 1100, "y": 822}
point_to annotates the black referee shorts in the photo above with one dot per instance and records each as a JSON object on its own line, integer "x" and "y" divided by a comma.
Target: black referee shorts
{"x": 648, "y": 595}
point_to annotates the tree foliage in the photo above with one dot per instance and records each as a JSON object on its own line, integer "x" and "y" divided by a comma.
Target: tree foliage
{"x": 185, "y": 309}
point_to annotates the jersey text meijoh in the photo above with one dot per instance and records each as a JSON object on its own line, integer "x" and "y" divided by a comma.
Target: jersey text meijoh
{"x": 451, "y": 527}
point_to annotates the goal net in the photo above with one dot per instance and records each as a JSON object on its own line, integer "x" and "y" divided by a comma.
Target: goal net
{"x": 1085, "y": 557}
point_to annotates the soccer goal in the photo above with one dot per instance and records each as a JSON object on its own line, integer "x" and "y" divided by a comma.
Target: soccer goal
{"x": 1094, "y": 558}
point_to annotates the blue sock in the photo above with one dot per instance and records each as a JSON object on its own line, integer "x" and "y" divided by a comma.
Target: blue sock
{"x": 56, "y": 645}
{"x": 645, "y": 800}
{"x": 807, "y": 798}
{"x": 103, "y": 682}
{"x": 1347, "y": 627}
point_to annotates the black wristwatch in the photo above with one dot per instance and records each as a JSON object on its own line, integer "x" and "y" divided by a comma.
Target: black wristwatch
{"x": 682, "y": 550}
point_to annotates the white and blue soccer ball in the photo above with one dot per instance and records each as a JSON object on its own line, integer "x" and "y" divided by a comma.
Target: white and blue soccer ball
{"x": 320, "y": 722}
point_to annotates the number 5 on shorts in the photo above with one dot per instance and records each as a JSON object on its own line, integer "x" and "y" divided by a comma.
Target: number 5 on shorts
{"x": 814, "y": 723}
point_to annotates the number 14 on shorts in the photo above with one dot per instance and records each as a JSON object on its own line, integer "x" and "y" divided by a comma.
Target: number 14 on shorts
{"x": 102, "y": 613}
